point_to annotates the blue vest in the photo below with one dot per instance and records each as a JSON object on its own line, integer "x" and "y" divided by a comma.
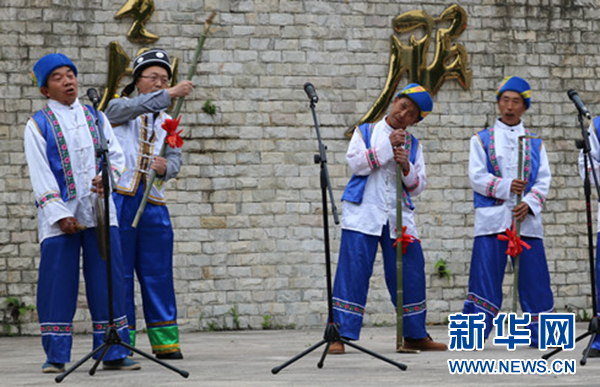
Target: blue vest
{"x": 356, "y": 186}
{"x": 595, "y": 124}
{"x": 57, "y": 150}
{"x": 480, "y": 200}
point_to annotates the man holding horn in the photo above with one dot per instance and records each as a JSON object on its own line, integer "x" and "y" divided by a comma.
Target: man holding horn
{"x": 148, "y": 248}
{"x": 369, "y": 220}
{"x": 494, "y": 171}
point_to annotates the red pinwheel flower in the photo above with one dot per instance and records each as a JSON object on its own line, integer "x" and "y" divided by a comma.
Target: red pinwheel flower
{"x": 515, "y": 244}
{"x": 406, "y": 239}
{"x": 173, "y": 139}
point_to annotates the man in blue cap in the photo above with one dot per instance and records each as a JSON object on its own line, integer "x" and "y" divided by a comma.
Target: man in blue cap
{"x": 594, "y": 159}
{"x": 61, "y": 144}
{"x": 369, "y": 220}
{"x": 493, "y": 171}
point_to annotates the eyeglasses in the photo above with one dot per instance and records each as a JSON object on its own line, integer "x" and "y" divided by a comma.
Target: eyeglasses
{"x": 154, "y": 78}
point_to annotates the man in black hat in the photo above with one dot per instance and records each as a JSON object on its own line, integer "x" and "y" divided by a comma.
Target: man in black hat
{"x": 148, "y": 248}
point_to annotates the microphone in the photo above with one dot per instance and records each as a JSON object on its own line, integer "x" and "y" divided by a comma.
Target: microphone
{"x": 93, "y": 96}
{"x": 310, "y": 91}
{"x": 580, "y": 106}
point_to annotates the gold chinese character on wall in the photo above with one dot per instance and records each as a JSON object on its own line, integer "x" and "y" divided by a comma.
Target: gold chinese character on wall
{"x": 118, "y": 60}
{"x": 140, "y": 11}
{"x": 450, "y": 60}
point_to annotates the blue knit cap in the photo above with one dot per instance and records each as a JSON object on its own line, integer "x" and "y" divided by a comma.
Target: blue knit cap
{"x": 518, "y": 85}
{"x": 47, "y": 64}
{"x": 420, "y": 97}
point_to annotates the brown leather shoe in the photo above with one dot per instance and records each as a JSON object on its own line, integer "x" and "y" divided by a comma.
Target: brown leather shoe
{"x": 336, "y": 348}
{"x": 426, "y": 344}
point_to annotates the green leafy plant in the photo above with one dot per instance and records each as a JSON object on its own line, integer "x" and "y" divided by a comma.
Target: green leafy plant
{"x": 267, "y": 322}
{"x": 209, "y": 108}
{"x": 214, "y": 327}
{"x": 235, "y": 314}
{"x": 14, "y": 312}
{"x": 581, "y": 315}
{"x": 442, "y": 270}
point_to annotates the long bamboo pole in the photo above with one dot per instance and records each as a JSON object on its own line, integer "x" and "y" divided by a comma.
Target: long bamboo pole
{"x": 399, "y": 271}
{"x": 518, "y": 227}
{"x": 190, "y": 75}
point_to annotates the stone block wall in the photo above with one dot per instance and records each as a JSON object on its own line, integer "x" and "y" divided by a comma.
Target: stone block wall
{"x": 246, "y": 206}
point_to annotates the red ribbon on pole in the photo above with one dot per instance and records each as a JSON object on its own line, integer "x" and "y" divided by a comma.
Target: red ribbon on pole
{"x": 405, "y": 239}
{"x": 515, "y": 244}
{"x": 173, "y": 139}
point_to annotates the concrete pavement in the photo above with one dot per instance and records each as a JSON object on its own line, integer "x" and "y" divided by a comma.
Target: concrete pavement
{"x": 245, "y": 358}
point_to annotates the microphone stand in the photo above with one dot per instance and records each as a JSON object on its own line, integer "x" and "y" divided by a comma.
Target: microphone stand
{"x": 594, "y": 325}
{"x": 111, "y": 337}
{"x": 332, "y": 333}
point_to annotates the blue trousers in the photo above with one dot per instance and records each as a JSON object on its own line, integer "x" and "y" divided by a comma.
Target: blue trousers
{"x": 596, "y": 343}
{"x": 58, "y": 286}
{"x": 148, "y": 251}
{"x": 354, "y": 270}
{"x": 488, "y": 263}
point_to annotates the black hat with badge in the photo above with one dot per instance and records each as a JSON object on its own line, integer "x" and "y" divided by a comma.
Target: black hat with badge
{"x": 149, "y": 58}
{"x": 152, "y": 57}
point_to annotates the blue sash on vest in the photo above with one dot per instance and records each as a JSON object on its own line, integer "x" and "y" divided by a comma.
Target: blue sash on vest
{"x": 595, "y": 124}
{"x": 531, "y": 166}
{"x": 356, "y": 186}
{"x": 57, "y": 150}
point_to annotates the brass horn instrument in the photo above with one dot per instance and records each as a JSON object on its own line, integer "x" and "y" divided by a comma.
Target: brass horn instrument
{"x": 99, "y": 214}
{"x": 117, "y": 68}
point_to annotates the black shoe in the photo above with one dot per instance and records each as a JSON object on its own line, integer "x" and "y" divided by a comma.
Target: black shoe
{"x": 594, "y": 352}
{"x": 170, "y": 356}
{"x": 124, "y": 364}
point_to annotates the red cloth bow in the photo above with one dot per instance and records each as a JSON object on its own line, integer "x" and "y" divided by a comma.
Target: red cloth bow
{"x": 406, "y": 239}
{"x": 514, "y": 243}
{"x": 173, "y": 139}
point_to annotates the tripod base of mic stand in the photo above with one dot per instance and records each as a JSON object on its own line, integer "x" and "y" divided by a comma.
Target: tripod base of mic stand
{"x": 593, "y": 330}
{"x": 332, "y": 335}
{"x": 112, "y": 338}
